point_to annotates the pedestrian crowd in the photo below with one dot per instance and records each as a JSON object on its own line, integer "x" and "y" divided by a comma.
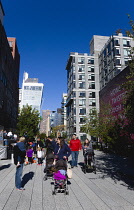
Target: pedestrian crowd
{"x": 28, "y": 151}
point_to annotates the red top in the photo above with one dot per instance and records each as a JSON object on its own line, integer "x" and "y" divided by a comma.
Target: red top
{"x": 75, "y": 145}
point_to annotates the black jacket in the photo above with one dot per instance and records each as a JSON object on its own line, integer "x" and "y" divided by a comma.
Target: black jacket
{"x": 17, "y": 152}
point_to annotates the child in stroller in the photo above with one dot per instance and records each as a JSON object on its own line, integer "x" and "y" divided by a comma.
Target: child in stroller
{"x": 49, "y": 165}
{"x": 88, "y": 153}
{"x": 60, "y": 177}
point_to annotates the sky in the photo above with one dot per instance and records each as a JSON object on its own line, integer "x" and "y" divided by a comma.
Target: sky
{"x": 47, "y": 31}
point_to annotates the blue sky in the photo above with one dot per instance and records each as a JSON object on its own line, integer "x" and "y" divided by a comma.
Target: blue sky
{"x": 47, "y": 31}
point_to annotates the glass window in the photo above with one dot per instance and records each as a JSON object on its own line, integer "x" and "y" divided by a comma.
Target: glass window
{"x": 81, "y": 60}
{"x": 82, "y": 120}
{"x": 90, "y": 68}
{"x": 92, "y": 85}
{"x": 90, "y": 61}
{"x": 91, "y": 77}
{"x": 82, "y": 77}
{"x": 82, "y": 111}
{"x": 126, "y": 43}
{"x": 126, "y": 52}
{"x": 92, "y": 102}
{"x": 91, "y": 94}
{"x": 82, "y": 85}
{"x": 82, "y": 94}
{"x": 82, "y": 102}
{"x": 116, "y": 42}
{"x": 118, "y": 62}
{"x": 81, "y": 68}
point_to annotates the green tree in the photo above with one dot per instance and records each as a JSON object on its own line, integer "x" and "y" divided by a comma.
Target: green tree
{"x": 128, "y": 101}
{"x": 28, "y": 121}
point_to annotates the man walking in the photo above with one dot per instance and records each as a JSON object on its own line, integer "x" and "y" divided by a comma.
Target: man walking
{"x": 75, "y": 146}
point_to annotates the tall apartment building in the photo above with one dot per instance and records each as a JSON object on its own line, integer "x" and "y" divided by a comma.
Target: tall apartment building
{"x": 55, "y": 118}
{"x": 63, "y": 107}
{"x": 45, "y": 122}
{"x": 9, "y": 78}
{"x": 114, "y": 57}
{"x": 31, "y": 92}
{"x": 83, "y": 86}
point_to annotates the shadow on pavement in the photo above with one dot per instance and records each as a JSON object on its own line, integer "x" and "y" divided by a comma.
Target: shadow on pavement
{"x": 5, "y": 166}
{"x": 27, "y": 177}
{"x": 116, "y": 167}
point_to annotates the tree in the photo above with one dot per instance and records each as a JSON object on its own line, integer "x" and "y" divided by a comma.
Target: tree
{"x": 129, "y": 86}
{"x": 28, "y": 121}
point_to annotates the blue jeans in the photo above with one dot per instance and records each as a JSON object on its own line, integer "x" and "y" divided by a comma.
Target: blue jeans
{"x": 18, "y": 176}
{"x": 75, "y": 158}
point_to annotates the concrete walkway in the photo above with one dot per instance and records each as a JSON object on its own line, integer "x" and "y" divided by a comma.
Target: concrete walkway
{"x": 110, "y": 188}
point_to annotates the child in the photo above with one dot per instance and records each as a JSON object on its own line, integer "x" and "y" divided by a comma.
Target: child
{"x": 29, "y": 153}
{"x": 21, "y": 146}
{"x": 39, "y": 155}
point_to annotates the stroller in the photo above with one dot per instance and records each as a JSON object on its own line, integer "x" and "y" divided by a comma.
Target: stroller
{"x": 89, "y": 161}
{"x": 49, "y": 164}
{"x": 60, "y": 178}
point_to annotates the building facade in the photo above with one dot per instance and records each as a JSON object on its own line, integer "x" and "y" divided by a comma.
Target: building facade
{"x": 114, "y": 57}
{"x": 31, "y": 92}
{"x": 64, "y": 112}
{"x": 45, "y": 122}
{"x": 83, "y": 86}
{"x": 9, "y": 78}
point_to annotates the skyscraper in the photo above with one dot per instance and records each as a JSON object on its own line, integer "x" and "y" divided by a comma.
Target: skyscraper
{"x": 31, "y": 92}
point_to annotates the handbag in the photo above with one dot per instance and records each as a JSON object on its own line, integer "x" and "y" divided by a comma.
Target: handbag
{"x": 69, "y": 173}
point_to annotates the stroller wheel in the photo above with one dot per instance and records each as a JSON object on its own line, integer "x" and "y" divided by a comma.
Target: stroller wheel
{"x": 67, "y": 192}
{"x": 45, "y": 178}
{"x": 54, "y": 192}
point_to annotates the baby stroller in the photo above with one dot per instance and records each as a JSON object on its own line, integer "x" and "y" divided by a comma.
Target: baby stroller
{"x": 89, "y": 161}
{"x": 60, "y": 178}
{"x": 49, "y": 164}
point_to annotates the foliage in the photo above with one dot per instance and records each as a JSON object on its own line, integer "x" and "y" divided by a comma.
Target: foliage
{"x": 57, "y": 130}
{"x": 28, "y": 121}
{"x": 129, "y": 86}
{"x": 100, "y": 124}
{"x": 42, "y": 136}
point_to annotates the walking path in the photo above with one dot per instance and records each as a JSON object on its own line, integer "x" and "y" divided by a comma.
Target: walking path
{"x": 110, "y": 188}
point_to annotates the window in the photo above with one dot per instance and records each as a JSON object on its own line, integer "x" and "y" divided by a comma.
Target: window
{"x": 126, "y": 43}
{"x": 92, "y": 85}
{"x": 91, "y": 94}
{"x": 73, "y": 84}
{"x": 82, "y": 111}
{"x": 90, "y": 68}
{"x": 91, "y": 77}
{"x": 81, "y": 60}
{"x": 74, "y": 94}
{"x": 118, "y": 62}
{"x": 81, "y": 68}
{"x": 92, "y": 102}
{"x": 90, "y": 61}
{"x": 116, "y": 51}
{"x": 82, "y": 77}
{"x": 82, "y": 85}
{"x": 126, "y": 52}
{"x": 82, "y": 94}
{"x": 73, "y": 76}
{"x": 82, "y": 120}
{"x": 116, "y": 42}
{"x": 82, "y": 102}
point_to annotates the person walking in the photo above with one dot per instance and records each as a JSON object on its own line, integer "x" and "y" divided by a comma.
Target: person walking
{"x": 62, "y": 150}
{"x": 19, "y": 170}
{"x": 75, "y": 146}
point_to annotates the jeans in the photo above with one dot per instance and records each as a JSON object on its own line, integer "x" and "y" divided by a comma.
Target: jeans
{"x": 75, "y": 158}
{"x": 18, "y": 176}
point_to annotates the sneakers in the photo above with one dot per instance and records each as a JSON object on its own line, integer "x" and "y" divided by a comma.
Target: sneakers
{"x": 20, "y": 189}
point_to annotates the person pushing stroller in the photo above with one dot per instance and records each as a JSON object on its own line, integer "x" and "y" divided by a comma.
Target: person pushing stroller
{"x": 88, "y": 152}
